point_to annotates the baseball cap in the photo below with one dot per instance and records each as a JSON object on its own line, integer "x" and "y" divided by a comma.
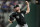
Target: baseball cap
{"x": 16, "y": 6}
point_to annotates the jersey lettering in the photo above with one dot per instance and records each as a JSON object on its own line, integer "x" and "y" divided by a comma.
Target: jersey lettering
{"x": 22, "y": 14}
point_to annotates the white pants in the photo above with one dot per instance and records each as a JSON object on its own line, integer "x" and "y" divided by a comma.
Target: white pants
{"x": 25, "y": 25}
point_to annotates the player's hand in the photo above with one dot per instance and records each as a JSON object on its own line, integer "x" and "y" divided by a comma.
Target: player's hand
{"x": 27, "y": 2}
{"x": 9, "y": 21}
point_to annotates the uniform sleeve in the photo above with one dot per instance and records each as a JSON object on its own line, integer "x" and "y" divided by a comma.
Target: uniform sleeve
{"x": 23, "y": 12}
{"x": 12, "y": 17}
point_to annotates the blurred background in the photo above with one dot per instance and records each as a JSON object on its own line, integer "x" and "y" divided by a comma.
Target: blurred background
{"x": 6, "y": 8}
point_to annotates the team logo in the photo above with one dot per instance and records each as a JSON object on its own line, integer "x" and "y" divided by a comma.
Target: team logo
{"x": 17, "y": 17}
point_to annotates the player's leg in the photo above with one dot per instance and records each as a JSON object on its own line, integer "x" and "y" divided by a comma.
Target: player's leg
{"x": 17, "y": 25}
{"x": 25, "y": 25}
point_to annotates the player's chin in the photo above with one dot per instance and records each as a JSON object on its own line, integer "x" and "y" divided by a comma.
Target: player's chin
{"x": 17, "y": 10}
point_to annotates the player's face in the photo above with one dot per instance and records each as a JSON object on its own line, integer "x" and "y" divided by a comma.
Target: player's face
{"x": 17, "y": 8}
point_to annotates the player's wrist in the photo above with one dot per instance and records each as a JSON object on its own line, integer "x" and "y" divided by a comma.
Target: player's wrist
{"x": 27, "y": 5}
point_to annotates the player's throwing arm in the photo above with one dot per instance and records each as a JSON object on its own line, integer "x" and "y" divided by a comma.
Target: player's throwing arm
{"x": 28, "y": 8}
